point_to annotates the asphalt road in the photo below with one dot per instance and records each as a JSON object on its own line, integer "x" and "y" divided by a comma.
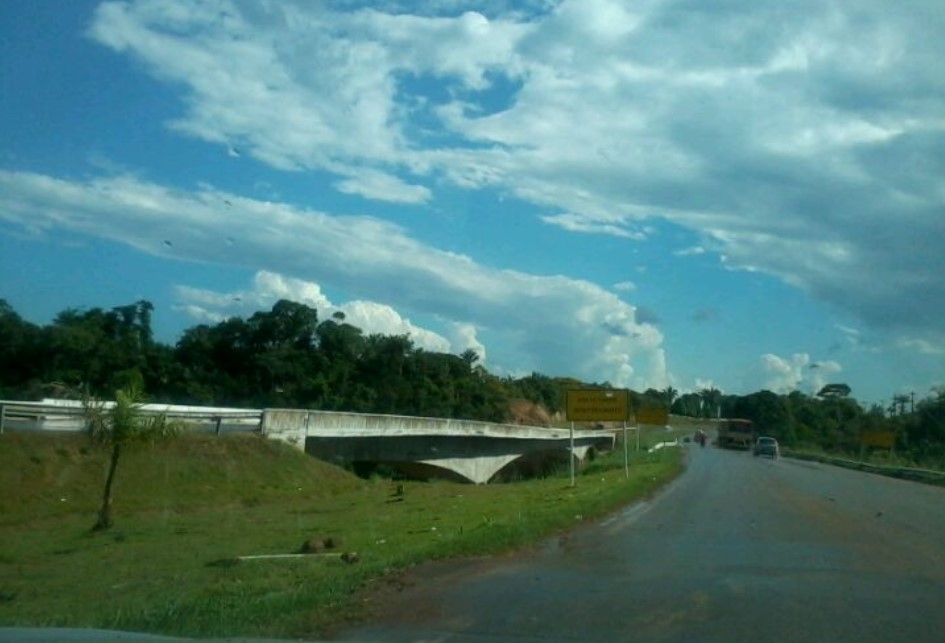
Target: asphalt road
{"x": 738, "y": 549}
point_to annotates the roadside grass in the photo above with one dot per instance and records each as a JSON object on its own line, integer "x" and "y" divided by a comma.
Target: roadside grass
{"x": 186, "y": 509}
{"x": 884, "y": 457}
{"x": 878, "y": 461}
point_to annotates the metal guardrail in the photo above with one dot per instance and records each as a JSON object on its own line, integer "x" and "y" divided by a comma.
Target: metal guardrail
{"x": 927, "y": 476}
{"x": 66, "y": 416}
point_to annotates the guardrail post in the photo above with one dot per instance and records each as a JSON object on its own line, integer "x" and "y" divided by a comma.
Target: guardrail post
{"x": 219, "y": 421}
{"x": 3, "y": 417}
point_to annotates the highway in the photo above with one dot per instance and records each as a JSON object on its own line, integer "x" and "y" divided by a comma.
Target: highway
{"x": 737, "y": 549}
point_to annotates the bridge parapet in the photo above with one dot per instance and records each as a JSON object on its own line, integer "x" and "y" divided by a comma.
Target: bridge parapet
{"x": 287, "y": 425}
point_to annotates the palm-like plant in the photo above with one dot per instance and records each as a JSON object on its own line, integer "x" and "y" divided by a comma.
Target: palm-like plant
{"x": 670, "y": 394}
{"x": 711, "y": 400}
{"x": 118, "y": 427}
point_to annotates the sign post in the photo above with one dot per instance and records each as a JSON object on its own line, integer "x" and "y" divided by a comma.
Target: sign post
{"x": 597, "y": 405}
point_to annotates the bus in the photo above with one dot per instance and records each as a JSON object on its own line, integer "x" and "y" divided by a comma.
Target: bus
{"x": 736, "y": 434}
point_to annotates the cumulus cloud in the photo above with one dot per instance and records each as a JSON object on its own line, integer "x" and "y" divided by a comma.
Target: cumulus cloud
{"x": 783, "y": 375}
{"x": 463, "y": 338}
{"x": 373, "y": 317}
{"x": 797, "y": 372}
{"x": 552, "y": 324}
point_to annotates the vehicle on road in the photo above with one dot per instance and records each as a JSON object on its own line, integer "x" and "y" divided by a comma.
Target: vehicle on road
{"x": 767, "y": 446}
{"x": 736, "y": 434}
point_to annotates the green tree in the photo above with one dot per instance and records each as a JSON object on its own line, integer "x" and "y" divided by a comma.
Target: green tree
{"x": 711, "y": 402}
{"x": 98, "y": 350}
{"x": 926, "y": 434}
{"x": 117, "y": 428}
{"x": 20, "y": 352}
{"x": 669, "y": 396}
{"x": 770, "y": 414}
{"x": 340, "y": 347}
{"x": 901, "y": 400}
{"x": 808, "y": 416}
{"x": 688, "y": 404}
{"x": 834, "y": 390}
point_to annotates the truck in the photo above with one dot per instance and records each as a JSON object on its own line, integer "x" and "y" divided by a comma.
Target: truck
{"x": 736, "y": 434}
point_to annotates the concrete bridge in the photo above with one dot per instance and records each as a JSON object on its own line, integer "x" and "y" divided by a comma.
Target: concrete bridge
{"x": 421, "y": 447}
{"x": 464, "y": 449}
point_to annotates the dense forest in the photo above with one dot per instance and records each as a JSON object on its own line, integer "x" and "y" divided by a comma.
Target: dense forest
{"x": 288, "y": 357}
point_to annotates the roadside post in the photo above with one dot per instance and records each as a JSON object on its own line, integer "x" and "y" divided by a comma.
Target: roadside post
{"x": 597, "y": 405}
{"x": 571, "y": 459}
{"x": 626, "y": 452}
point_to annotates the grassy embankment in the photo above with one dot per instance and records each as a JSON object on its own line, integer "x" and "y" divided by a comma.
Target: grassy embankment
{"x": 183, "y": 507}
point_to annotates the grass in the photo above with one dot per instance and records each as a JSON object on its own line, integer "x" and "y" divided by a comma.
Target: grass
{"x": 184, "y": 510}
{"x": 883, "y": 457}
{"x": 879, "y": 461}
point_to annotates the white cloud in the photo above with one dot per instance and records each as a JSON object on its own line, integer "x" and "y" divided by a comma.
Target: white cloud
{"x": 804, "y": 142}
{"x": 702, "y": 384}
{"x": 553, "y": 324}
{"x": 921, "y": 346}
{"x": 463, "y": 338}
{"x": 625, "y": 286}
{"x": 373, "y": 317}
{"x": 783, "y": 375}
{"x": 576, "y": 223}
{"x": 372, "y": 184}
{"x": 201, "y": 314}
{"x": 786, "y": 374}
{"x": 822, "y": 373}
{"x": 269, "y": 287}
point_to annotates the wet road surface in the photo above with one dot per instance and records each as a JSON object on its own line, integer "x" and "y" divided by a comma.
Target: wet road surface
{"x": 738, "y": 549}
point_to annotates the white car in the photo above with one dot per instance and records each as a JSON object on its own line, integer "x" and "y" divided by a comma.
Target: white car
{"x": 767, "y": 446}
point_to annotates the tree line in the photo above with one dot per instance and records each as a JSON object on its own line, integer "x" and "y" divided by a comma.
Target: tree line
{"x": 830, "y": 420}
{"x": 289, "y": 357}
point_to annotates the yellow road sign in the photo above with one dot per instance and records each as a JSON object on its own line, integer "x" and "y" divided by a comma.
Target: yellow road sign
{"x": 658, "y": 417}
{"x": 598, "y": 405}
{"x": 883, "y": 439}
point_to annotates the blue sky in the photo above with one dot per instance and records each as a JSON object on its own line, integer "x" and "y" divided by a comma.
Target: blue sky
{"x": 741, "y": 194}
